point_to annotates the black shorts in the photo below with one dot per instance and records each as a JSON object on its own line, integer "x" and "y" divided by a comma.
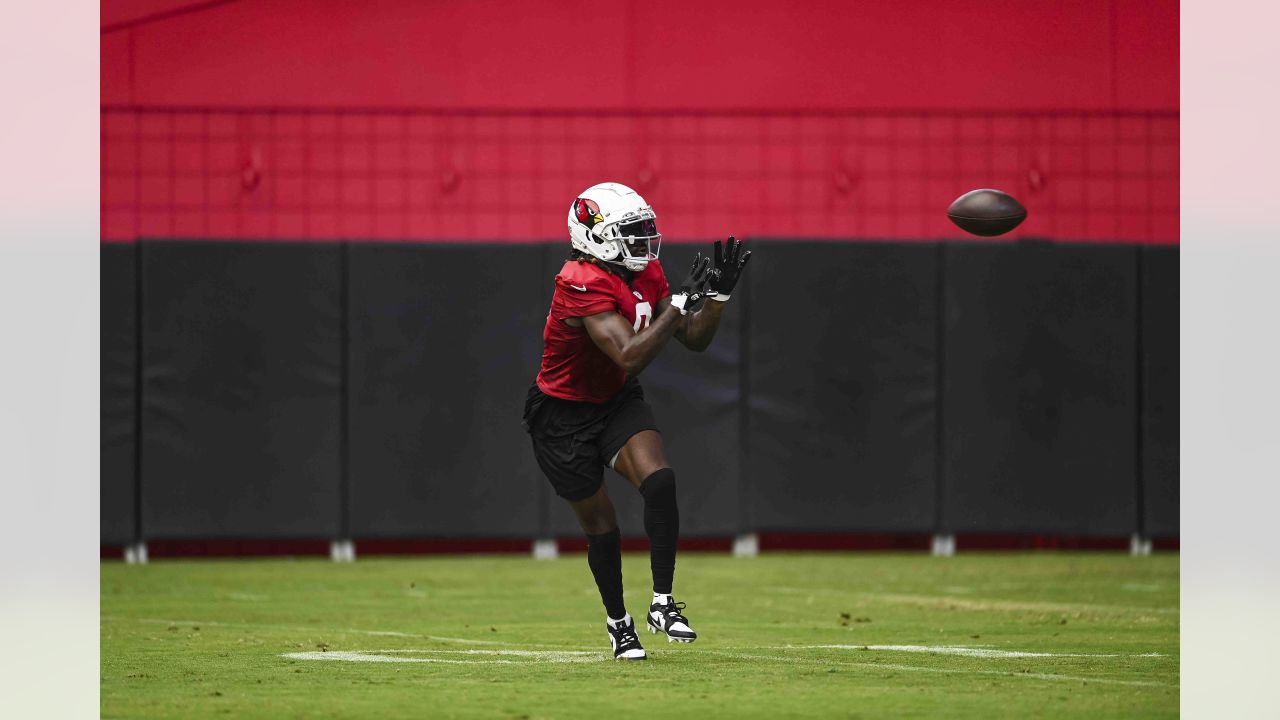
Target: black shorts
{"x": 575, "y": 441}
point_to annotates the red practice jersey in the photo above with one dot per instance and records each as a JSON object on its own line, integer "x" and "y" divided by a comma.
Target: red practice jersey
{"x": 573, "y": 368}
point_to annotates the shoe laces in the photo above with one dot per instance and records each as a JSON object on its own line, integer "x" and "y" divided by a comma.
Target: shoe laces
{"x": 672, "y": 611}
{"x": 626, "y": 636}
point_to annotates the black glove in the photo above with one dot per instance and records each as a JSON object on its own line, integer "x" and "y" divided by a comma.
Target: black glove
{"x": 694, "y": 286}
{"x": 729, "y": 265}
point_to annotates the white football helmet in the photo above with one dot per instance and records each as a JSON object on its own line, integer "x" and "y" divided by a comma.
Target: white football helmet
{"x": 612, "y": 222}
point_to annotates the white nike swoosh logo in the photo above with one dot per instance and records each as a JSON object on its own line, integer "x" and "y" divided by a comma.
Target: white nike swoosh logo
{"x": 583, "y": 288}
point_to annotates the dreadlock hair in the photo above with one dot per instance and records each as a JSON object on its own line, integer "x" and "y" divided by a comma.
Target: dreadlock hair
{"x": 577, "y": 255}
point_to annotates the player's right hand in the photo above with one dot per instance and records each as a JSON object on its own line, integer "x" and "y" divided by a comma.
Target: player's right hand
{"x": 729, "y": 264}
{"x": 694, "y": 286}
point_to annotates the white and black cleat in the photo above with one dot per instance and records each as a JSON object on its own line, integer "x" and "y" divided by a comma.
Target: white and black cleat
{"x": 626, "y": 644}
{"x": 668, "y": 619}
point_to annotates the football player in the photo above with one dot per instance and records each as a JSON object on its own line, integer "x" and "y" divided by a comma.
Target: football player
{"x": 612, "y": 313}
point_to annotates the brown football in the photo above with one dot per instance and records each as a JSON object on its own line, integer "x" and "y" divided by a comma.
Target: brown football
{"x": 986, "y": 212}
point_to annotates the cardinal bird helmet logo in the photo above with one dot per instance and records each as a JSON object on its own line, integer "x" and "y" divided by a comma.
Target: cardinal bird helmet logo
{"x": 588, "y": 212}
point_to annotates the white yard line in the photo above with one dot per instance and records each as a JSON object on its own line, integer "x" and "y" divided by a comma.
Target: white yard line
{"x": 399, "y": 656}
{"x": 553, "y": 654}
{"x": 345, "y": 656}
{"x": 515, "y": 653}
{"x": 487, "y": 657}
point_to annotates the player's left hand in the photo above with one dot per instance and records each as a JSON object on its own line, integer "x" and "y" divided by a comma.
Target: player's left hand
{"x": 729, "y": 264}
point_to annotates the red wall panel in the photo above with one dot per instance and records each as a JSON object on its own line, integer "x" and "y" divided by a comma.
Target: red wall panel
{"x": 1146, "y": 54}
{"x": 491, "y": 176}
{"x": 946, "y": 54}
{"x": 822, "y": 119}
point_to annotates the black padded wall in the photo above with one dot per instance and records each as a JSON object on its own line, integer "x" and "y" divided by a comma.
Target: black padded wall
{"x": 1160, "y": 410}
{"x": 444, "y": 341}
{"x": 118, "y": 399}
{"x": 815, "y": 409}
{"x": 1039, "y": 399}
{"x": 241, "y": 398}
{"x": 841, "y": 368}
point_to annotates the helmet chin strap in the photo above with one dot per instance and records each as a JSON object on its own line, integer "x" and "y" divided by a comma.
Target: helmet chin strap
{"x": 633, "y": 264}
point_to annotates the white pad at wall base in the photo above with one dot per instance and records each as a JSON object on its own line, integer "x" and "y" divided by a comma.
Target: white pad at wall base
{"x": 342, "y": 551}
{"x": 136, "y": 554}
{"x": 1139, "y": 546}
{"x": 746, "y": 545}
{"x": 546, "y": 549}
{"x": 943, "y": 545}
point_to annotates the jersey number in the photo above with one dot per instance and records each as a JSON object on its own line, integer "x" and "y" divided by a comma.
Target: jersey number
{"x": 644, "y": 313}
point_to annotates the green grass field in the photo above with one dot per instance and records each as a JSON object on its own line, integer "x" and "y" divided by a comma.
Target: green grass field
{"x": 783, "y": 635}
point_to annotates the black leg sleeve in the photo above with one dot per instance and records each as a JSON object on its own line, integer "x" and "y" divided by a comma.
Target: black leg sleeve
{"x": 662, "y": 523}
{"x": 604, "y": 555}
